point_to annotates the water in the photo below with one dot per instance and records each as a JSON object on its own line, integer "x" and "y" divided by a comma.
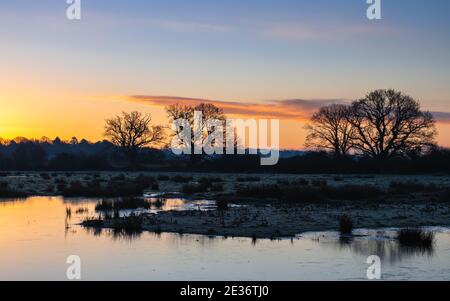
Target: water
{"x": 36, "y": 237}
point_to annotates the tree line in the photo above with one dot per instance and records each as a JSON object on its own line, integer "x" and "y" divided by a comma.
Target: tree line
{"x": 384, "y": 131}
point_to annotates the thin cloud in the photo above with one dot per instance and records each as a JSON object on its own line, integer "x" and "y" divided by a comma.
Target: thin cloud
{"x": 175, "y": 25}
{"x": 182, "y": 26}
{"x": 293, "y": 109}
{"x": 442, "y": 117}
{"x": 99, "y": 22}
{"x": 307, "y": 32}
{"x": 192, "y": 26}
{"x": 296, "y": 109}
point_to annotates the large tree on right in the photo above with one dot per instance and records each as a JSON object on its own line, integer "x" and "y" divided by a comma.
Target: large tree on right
{"x": 388, "y": 123}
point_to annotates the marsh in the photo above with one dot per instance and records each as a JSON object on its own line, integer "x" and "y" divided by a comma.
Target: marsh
{"x": 37, "y": 235}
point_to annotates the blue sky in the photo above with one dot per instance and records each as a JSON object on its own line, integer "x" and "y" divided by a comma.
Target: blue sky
{"x": 315, "y": 45}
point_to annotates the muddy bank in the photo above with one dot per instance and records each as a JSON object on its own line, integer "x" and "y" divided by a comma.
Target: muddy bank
{"x": 272, "y": 221}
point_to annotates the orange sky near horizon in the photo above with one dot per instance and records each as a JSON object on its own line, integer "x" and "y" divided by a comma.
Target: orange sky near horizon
{"x": 86, "y": 120}
{"x": 84, "y": 117}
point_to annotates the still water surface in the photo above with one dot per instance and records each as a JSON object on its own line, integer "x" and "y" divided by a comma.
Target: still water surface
{"x": 36, "y": 237}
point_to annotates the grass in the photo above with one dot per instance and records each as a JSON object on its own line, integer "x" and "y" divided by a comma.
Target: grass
{"x": 104, "y": 205}
{"x": 45, "y": 176}
{"x": 345, "y": 225}
{"x": 82, "y": 210}
{"x": 146, "y": 181}
{"x": 125, "y": 203}
{"x": 120, "y": 177}
{"x": 217, "y": 187}
{"x": 396, "y": 187}
{"x": 159, "y": 203}
{"x": 129, "y": 225}
{"x": 163, "y": 178}
{"x": 195, "y": 188}
{"x": 283, "y": 182}
{"x": 7, "y": 192}
{"x": 222, "y": 204}
{"x": 50, "y": 188}
{"x": 300, "y": 193}
{"x": 445, "y": 195}
{"x": 181, "y": 179}
{"x": 411, "y": 237}
{"x": 60, "y": 181}
{"x": 92, "y": 222}
{"x": 259, "y": 191}
{"x": 210, "y": 180}
{"x": 295, "y": 182}
{"x": 352, "y": 192}
{"x": 248, "y": 179}
{"x": 95, "y": 189}
{"x": 300, "y": 182}
{"x": 319, "y": 183}
{"x": 204, "y": 185}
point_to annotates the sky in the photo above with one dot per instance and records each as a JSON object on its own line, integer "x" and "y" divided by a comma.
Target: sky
{"x": 256, "y": 58}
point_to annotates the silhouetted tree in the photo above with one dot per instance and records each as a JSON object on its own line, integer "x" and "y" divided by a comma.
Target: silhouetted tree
{"x": 132, "y": 131}
{"x": 209, "y": 112}
{"x": 389, "y": 123}
{"x": 73, "y": 141}
{"x": 29, "y": 156}
{"x": 66, "y": 162}
{"x": 178, "y": 111}
{"x": 329, "y": 129}
{"x": 45, "y": 139}
{"x": 57, "y": 141}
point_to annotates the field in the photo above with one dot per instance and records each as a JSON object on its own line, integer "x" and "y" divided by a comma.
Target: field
{"x": 46, "y": 183}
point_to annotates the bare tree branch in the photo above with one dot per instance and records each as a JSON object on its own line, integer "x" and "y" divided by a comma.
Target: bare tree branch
{"x": 389, "y": 123}
{"x": 330, "y": 129}
{"x": 132, "y": 131}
